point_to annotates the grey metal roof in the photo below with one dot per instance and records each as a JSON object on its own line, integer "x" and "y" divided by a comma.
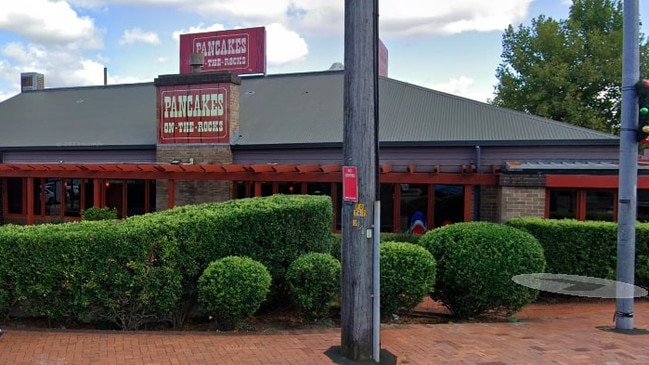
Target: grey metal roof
{"x": 567, "y": 165}
{"x": 308, "y": 108}
{"x": 97, "y": 116}
{"x": 291, "y": 109}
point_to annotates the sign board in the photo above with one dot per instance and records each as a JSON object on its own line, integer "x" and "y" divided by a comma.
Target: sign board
{"x": 350, "y": 184}
{"x": 383, "y": 59}
{"x": 241, "y": 51}
{"x": 194, "y": 113}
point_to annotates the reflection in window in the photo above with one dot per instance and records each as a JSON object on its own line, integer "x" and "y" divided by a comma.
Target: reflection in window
{"x": 563, "y": 204}
{"x": 600, "y": 205}
{"x": 114, "y": 195}
{"x": 73, "y": 197}
{"x": 414, "y": 207}
{"x": 289, "y": 188}
{"x": 51, "y": 193}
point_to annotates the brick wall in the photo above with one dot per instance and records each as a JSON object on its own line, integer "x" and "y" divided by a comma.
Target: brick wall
{"x": 521, "y": 196}
{"x": 489, "y": 203}
{"x": 193, "y": 192}
{"x": 521, "y": 202}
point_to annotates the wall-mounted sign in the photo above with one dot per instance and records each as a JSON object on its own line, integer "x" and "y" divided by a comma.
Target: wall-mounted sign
{"x": 241, "y": 51}
{"x": 194, "y": 113}
{"x": 350, "y": 184}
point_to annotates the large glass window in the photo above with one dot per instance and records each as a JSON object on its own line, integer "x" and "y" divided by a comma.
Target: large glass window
{"x": 449, "y": 204}
{"x": 89, "y": 193}
{"x": 563, "y": 204}
{"x": 600, "y": 205}
{"x": 414, "y": 208}
{"x": 114, "y": 195}
{"x": 643, "y": 205}
{"x": 73, "y": 189}
{"x": 51, "y": 193}
{"x": 289, "y": 188}
{"x": 135, "y": 197}
{"x": 15, "y": 195}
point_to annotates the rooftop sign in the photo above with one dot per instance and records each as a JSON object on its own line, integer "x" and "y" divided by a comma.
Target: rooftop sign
{"x": 241, "y": 51}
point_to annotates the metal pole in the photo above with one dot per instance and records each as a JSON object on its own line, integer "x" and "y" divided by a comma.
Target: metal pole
{"x": 628, "y": 172}
{"x": 376, "y": 264}
{"x": 376, "y": 273}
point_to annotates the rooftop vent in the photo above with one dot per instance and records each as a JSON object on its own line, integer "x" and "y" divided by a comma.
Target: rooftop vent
{"x": 30, "y": 81}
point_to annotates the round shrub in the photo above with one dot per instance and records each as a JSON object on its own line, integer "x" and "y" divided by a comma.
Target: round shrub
{"x": 407, "y": 276}
{"x": 475, "y": 265}
{"x": 233, "y": 288}
{"x": 314, "y": 283}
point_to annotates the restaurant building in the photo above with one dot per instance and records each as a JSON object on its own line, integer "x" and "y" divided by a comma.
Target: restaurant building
{"x": 215, "y": 135}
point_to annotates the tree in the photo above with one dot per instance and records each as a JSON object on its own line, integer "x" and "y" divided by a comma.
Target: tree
{"x": 568, "y": 70}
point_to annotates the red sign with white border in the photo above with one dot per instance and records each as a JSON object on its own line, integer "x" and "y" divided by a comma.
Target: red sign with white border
{"x": 194, "y": 114}
{"x": 350, "y": 184}
{"x": 241, "y": 51}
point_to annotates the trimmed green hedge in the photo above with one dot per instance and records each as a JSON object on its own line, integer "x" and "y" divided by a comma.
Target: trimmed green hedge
{"x": 475, "y": 265}
{"x": 233, "y": 288}
{"x": 587, "y": 248}
{"x": 314, "y": 280}
{"x": 146, "y": 268}
{"x": 407, "y": 276}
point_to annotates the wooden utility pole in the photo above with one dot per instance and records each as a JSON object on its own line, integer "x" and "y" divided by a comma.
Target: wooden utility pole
{"x": 359, "y": 150}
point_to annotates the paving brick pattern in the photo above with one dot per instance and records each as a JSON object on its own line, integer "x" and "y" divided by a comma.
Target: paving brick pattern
{"x": 544, "y": 334}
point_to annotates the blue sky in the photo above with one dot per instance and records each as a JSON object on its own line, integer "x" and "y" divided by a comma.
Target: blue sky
{"x": 451, "y": 46}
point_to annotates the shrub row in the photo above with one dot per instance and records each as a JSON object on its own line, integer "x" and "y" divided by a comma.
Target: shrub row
{"x": 147, "y": 267}
{"x": 587, "y": 248}
{"x": 475, "y": 265}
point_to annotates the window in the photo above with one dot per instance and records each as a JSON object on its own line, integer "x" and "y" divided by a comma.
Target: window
{"x": 15, "y": 195}
{"x": 582, "y": 204}
{"x": 600, "y": 205}
{"x": 563, "y": 204}
{"x": 449, "y": 204}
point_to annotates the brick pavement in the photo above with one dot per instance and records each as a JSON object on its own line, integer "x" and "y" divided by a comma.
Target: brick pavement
{"x": 544, "y": 334}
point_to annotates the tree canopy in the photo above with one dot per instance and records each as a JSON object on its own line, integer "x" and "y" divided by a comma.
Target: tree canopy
{"x": 568, "y": 70}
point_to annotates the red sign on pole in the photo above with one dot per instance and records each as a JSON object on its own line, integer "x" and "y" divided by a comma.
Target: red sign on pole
{"x": 350, "y": 184}
{"x": 242, "y": 51}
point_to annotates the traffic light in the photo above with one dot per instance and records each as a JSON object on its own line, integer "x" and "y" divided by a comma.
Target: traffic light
{"x": 643, "y": 111}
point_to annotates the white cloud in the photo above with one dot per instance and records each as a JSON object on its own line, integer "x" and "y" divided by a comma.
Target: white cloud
{"x": 284, "y": 46}
{"x": 423, "y": 17}
{"x": 50, "y": 22}
{"x": 137, "y": 35}
{"x": 60, "y": 67}
{"x": 396, "y": 17}
{"x": 461, "y": 86}
{"x": 201, "y": 28}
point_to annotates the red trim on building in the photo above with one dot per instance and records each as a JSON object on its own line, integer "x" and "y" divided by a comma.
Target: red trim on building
{"x": 591, "y": 181}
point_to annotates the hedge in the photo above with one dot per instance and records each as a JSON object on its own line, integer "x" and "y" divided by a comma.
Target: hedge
{"x": 587, "y": 248}
{"x": 145, "y": 268}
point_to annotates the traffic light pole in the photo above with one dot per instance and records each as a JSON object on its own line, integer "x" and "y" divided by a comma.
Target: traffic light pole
{"x": 628, "y": 171}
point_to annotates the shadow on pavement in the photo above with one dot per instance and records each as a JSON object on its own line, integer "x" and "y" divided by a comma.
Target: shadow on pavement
{"x": 335, "y": 354}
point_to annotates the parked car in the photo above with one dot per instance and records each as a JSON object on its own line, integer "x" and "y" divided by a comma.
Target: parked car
{"x": 50, "y": 198}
